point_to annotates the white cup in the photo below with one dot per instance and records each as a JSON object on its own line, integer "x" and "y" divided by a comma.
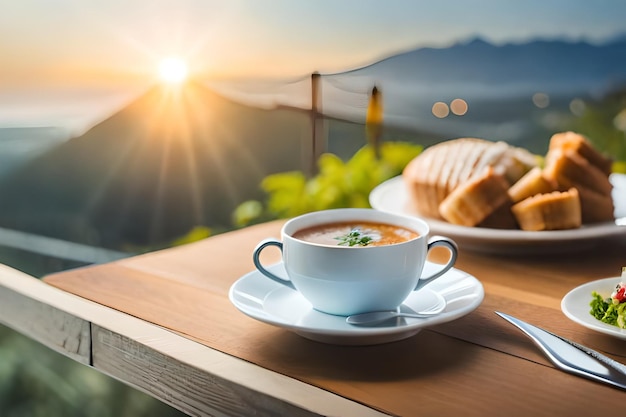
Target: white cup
{"x": 344, "y": 280}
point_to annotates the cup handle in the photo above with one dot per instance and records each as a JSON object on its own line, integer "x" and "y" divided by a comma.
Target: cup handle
{"x": 454, "y": 251}
{"x": 257, "y": 262}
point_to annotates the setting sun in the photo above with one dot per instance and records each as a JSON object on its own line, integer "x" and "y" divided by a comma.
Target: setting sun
{"x": 173, "y": 70}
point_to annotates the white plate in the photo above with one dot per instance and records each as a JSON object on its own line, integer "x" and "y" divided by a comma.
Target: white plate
{"x": 273, "y": 303}
{"x": 575, "y": 305}
{"x": 392, "y": 196}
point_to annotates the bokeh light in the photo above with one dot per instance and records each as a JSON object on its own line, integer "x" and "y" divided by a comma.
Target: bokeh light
{"x": 577, "y": 107}
{"x": 458, "y": 106}
{"x": 440, "y": 109}
{"x": 620, "y": 121}
{"x": 541, "y": 100}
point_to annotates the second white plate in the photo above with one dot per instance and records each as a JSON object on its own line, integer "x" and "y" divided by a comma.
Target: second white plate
{"x": 575, "y": 305}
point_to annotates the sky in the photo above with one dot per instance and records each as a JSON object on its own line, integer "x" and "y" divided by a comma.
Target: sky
{"x": 56, "y": 54}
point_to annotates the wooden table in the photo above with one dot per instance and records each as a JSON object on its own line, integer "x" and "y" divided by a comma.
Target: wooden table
{"x": 162, "y": 322}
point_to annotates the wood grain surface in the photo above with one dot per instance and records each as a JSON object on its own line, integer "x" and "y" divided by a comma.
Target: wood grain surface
{"x": 477, "y": 365}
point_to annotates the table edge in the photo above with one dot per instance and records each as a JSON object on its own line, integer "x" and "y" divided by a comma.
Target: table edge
{"x": 247, "y": 376}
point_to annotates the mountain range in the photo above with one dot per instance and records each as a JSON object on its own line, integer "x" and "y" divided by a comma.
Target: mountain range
{"x": 558, "y": 66}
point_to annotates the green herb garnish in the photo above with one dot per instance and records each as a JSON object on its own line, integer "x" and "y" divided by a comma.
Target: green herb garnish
{"x": 355, "y": 237}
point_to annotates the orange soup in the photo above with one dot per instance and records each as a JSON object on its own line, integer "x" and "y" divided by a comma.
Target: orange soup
{"x": 355, "y": 234}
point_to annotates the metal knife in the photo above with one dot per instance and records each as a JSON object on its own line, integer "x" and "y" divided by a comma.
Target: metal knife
{"x": 572, "y": 357}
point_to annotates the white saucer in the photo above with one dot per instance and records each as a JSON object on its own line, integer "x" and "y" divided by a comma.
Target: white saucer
{"x": 575, "y": 305}
{"x": 392, "y": 196}
{"x": 270, "y": 302}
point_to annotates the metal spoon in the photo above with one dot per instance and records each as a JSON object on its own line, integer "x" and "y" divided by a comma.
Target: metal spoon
{"x": 375, "y": 317}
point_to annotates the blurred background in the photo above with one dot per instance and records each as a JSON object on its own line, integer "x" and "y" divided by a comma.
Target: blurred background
{"x": 127, "y": 127}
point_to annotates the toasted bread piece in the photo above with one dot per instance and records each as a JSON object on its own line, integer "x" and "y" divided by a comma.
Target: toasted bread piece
{"x": 441, "y": 168}
{"x": 450, "y": 165}
{"x": 471, "y": 150}
{"x": 532, "y": 183}
{"x": 552, "y": 211}
{"x": 501, "y": 218}
{"x": 415, "y": 177}
{"x": 489, "y": 157}
{"x": 429, "y": 176}
{"x": 433, "y": 178}
{"x": 570, "y": 169}
{"x": 473, "y": 201}
{"x": 573, "y": 162}
{"x": 517, "y": 162}
{"x": 582, "y": 146}
{"x": 595, "y": 207}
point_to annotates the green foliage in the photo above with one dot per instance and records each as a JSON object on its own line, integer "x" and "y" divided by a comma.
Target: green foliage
{"x": 604, "y": 123}
{"x": 619, "y": 167}
{"x": 248, "y": 211}
{"x": 337, "y": 184}
{"x": 195, "y": 234}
